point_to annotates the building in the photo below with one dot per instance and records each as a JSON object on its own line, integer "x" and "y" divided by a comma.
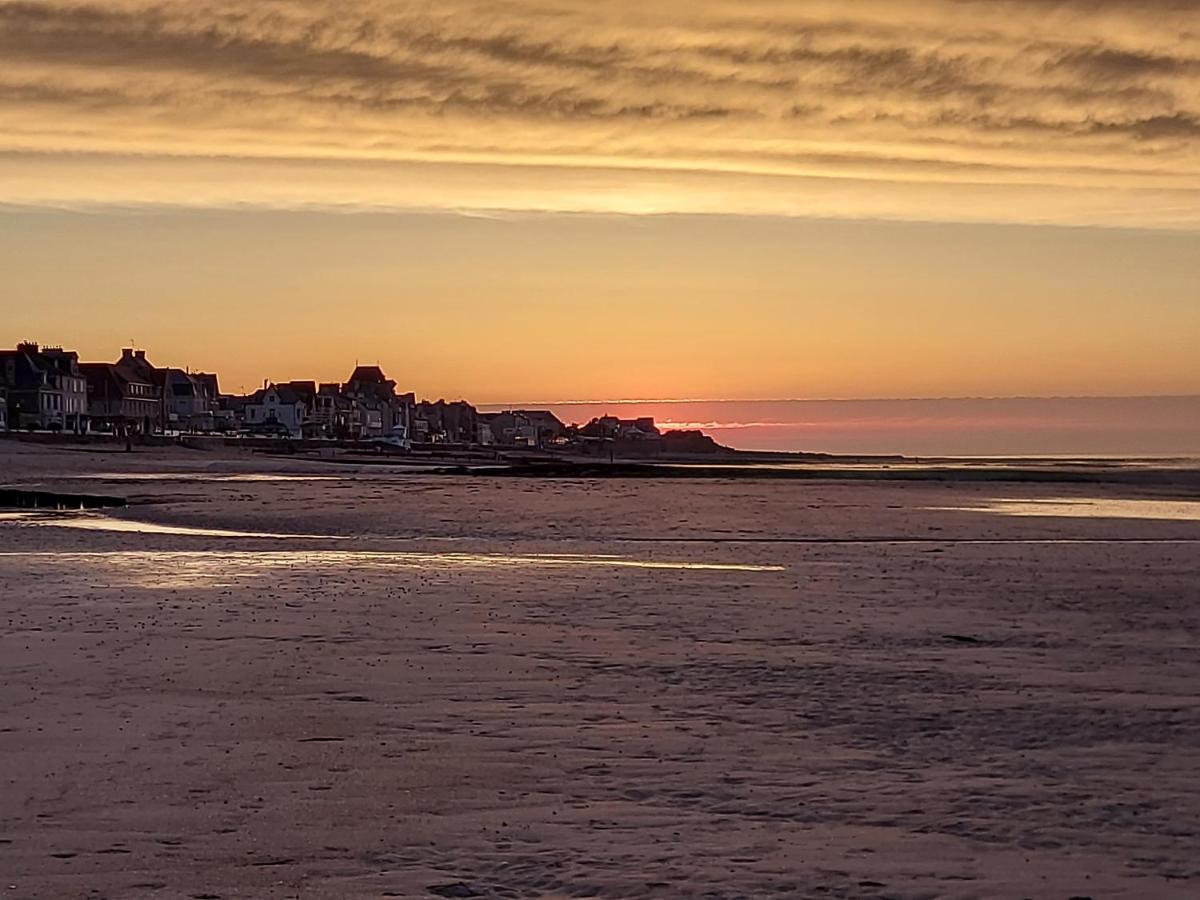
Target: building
{"x": 375, "y": 409}
{"x": 276, "y": 409}
{"x": 143, "y": 371}
{"x": 525, "y": 428}
{"x": 610, "y": 428}
{"x": 486, "y": 436}
{"x": 550, "y": 429}
{"x": 44, "y": 388}
{"x": 208, "y": 381}
{"x": 191, "y": 400}
{"x": 187, "y": 401}
{"x": 314, "y": 423}
{"x": 211, "y": 390}
{"x": 33, "y": 398}
{"x": 331, "y": 411}
{"x": 231, "y": 412}
{"x": 446, "y": 423}
{"x": 120, "y": 400}
{"x": 73, "y": 386}
{"x": 370, "y": 394}
{"x": 130, "y": 395}
{"x": 641, "y": 429}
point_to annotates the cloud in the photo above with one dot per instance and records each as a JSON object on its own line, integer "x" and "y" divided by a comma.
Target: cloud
{"x": 913, "y": 107}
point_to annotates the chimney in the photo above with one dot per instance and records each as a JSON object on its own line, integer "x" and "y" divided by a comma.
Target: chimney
{"x": 127, "y": 354}
{"x": 28, "y": 346}
{"x": 140, "y": 354}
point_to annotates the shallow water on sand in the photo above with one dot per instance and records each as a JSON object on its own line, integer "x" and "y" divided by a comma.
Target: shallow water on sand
{"x": 98, "y": 522}
{"x": 1087, "y": 508}
{"x": 92, "y": 521}
{"x": 202, "y": 476}
{"x": 215, "y": 568}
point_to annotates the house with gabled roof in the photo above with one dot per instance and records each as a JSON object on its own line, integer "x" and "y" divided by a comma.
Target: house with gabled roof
{"x": 121, "y": 400}
{"x": 440, "y": 422}
{"x": 376, "y": 410}
{"x": 45, "y": 388}
{"x": 611, "y": 428}
{"x": 276, "y": 408}
{"x": 525, "y": 427}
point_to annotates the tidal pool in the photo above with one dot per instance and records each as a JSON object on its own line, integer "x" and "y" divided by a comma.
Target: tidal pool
{"x": 1087, "y": 508}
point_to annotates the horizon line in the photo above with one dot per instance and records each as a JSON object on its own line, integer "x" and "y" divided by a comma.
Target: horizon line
{"x": 629, "y": 401}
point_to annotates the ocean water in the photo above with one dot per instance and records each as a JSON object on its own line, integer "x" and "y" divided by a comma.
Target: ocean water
{"x": 1096, "y": 426}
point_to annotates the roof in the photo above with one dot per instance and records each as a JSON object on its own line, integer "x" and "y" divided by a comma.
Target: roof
{"x": 304, "y": 391}
{"x": 182, "y": 384}
{"x": 27, "y": 371}
{"x": 368, "y": 375}
{"x": 611, "y": 426}
{"x": 542, "y": 418}
{"x": 209, "y": 380}
{"x": 287, "y": 393}
{"x": 117, "y": 375}
{"x": 33, "y": 367}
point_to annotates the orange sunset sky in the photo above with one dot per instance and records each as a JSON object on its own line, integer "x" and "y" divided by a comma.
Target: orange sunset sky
{"x": 558, "y": 199}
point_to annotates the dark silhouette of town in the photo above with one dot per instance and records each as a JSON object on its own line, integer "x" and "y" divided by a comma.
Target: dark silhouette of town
{"x": 48, "y": 389}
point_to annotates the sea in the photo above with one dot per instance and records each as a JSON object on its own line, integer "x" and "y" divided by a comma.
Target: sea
{"x": 1151, "y": 427}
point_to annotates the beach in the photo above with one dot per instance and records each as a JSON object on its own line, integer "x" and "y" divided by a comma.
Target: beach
{"x": 277, "y": 678}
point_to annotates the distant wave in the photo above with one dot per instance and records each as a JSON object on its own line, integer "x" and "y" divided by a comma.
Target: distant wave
{"x": 668, "y": 425}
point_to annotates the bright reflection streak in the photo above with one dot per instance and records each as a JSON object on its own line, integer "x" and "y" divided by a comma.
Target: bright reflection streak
{"x": 202, "y": 476}
{"x": 1087, "y": 508}
{"x": 173, "y": 568}
{"x": 100, "y": 522}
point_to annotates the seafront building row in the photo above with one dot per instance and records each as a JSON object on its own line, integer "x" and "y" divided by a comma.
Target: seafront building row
{"x": 48, "y": 388}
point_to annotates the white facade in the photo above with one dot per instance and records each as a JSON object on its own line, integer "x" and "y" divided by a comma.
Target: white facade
{"x": 269, "y": 407}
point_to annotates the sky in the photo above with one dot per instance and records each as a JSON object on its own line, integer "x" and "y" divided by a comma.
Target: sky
{"x": 523, "y": 200}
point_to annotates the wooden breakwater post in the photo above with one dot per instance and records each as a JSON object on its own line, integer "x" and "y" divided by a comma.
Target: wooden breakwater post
{"x": 26, "y": 499}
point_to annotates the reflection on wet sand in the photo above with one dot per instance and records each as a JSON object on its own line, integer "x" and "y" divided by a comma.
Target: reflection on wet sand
{"x": 174, "y": 568}
{"x": 1087, "y": 508}
{"x": 98, "y": 522}
{"x": 203, "y": 476}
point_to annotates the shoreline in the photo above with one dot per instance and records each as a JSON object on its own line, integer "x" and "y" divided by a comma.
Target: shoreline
{"x": 176, "y": 461}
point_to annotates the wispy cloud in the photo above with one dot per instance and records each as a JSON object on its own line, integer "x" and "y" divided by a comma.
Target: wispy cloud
{"x": 1074, "y": 111}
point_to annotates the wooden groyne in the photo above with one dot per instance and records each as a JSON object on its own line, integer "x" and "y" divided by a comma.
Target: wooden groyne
{"x": 25, "y": 499}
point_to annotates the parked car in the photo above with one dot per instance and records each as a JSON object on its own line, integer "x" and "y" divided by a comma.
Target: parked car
{"x": 397, "y": 437}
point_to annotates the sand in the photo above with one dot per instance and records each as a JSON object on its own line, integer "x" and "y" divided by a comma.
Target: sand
{"x": 484, "y": 687}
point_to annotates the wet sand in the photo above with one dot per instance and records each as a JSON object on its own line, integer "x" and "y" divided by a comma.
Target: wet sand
{"x": 487, "y": 687}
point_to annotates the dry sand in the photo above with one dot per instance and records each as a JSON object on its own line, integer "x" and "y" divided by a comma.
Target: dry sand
{"x": 481, "y": 687}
